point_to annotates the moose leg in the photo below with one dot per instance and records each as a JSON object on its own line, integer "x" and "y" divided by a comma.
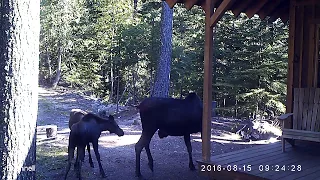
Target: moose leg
{"x": 144, "y": 141}
{"x": 76, "y": 163}
{"x": 150, "y": 159}
{"x": 80, "y": 151}
{"x": 189, "y": 148}
{"x": 70, "y": 158}
{"x": 96, "y": 151}
{"x": 90, "y": 158}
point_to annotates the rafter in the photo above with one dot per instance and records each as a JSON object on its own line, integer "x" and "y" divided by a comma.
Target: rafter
{"x": 303, "y": 2}
{"x": 255, "y": 8}
{"x": 189, "y": 4}
{"x": 269, "y": 8}
{"x": 241, "y": 6}
{"x": 224, "y": 6}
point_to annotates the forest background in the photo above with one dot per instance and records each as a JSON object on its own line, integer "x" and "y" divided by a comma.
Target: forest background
{"x": 110, "y": 49}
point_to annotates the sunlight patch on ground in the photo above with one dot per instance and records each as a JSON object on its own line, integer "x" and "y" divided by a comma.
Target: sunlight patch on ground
{"x": 271, "y": 140}
{"x": 223, "y": 136}
{"x": 267, "y": 128}
{"x": 45, "y": 92}
{"x": 231, "y": 136}
{"x": 115, "y": 141}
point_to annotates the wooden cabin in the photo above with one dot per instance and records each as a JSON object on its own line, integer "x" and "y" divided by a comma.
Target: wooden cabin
{"x": 303, "y": 72}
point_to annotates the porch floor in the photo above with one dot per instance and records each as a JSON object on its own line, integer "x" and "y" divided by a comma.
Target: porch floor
{"x": 284, "y": 166}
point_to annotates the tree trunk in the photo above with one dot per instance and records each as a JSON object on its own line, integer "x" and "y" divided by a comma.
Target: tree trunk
{"x": 162, "y": 80}
{"x": 104, "y": 81}
{"x": 134, "y": 80}
{"x": 118, "y": 89}
{"x": 111, "y": 66}
{"x": 49, "y": 65}
{"x": 214, "y": 77}
{"x": 135, "y": 4}
{"x": 19, "y": 61}
{"x": 58, "y": 74}
{"x": 112, "y": 81}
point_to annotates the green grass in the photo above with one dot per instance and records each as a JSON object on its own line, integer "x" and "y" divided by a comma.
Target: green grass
{"x": 50, "y": 160}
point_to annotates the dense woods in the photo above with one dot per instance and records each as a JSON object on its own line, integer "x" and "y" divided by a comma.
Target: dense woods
{"x": 108, "y": 49}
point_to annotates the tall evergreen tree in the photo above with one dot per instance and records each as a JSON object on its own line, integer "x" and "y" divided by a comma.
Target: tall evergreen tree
{"x": 19, "y": 51}
{"x": 162, "y": 80}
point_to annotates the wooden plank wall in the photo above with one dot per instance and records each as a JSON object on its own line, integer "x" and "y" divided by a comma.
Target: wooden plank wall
{"x": 303, "y": 53}
{"x": 305, "y": 32}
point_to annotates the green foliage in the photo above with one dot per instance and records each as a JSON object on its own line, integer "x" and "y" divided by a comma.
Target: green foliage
{"x": 251, "y": 64}
{"x": 104, "y": 43}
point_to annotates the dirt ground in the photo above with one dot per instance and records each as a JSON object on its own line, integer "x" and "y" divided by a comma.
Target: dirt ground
{"x": 117, "y": 153}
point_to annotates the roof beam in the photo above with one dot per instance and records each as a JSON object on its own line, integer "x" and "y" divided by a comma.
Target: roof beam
{"x": 224, "y": 6}
{"x": 171, "y": 3}
{"x": 269, "y": 8}
{"x": 189, "y": 4}
{"x": 304, "y": 2}
{"x": 255, "y": 8}
{"x": 242, "y": 6}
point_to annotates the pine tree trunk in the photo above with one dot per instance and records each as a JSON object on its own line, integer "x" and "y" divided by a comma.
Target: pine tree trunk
{"x": 134, "y": 79}
{"x": 49, "y": 65}
{"x": 214, "y": 77}
{"x": 104, "y": 82}
{"x": 58, "y": 74}
{"x": 162, "y": 80}
{"x": 118, "y": 89}
{"x": 19, "y": 60}
{"x": 112, "y": 81}
{"x": 135, "y": 4}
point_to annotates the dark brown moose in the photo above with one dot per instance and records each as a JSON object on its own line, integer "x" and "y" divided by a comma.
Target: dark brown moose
{"x": 88, "y": 129}
{"x": 173, "y": 117}
{"x": 75, "y": 116}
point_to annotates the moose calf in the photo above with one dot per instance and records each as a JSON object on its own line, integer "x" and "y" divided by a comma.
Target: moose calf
{"x": 87, "y": 130}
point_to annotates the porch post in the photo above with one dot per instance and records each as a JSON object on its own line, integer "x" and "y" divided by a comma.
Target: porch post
{"x": 207, "y": 83}
{"x": 291, "y": 49}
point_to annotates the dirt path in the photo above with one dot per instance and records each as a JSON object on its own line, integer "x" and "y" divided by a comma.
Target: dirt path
{"x": 117, "y": 153}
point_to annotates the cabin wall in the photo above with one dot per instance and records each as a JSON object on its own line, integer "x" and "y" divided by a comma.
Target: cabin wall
{"x": 303, "y": 48}
{"x": 305, "y": 33}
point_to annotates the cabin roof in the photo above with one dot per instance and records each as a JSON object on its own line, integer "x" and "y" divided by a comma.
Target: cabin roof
{"x": 264, "y": 8}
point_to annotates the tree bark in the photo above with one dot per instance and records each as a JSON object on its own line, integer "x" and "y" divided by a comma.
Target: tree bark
{"x": 118, "y": 89}
{"x": 134, "y": 80}
{"x": 112, "y": 81}
{"x": 104, "y": 81}
{"x": 19, "y": 61}
{"x": 49, "y": 65}
{"x": 162, "y": 80}
{"x": 58, "y": 74}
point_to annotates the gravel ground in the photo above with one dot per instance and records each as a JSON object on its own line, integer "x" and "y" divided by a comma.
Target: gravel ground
{"x": 117, "y": 153}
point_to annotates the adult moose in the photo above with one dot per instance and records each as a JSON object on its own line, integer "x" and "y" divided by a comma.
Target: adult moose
{"x": 89, "y": 129}
{"x": 172, "y": 117}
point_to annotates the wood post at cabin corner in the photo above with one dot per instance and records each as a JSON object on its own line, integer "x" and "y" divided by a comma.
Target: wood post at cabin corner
{"x": 291, "y": 49}
{"x": 207, "y": 83}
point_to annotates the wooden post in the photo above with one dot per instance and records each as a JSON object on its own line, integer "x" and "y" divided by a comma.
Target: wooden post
{"x": 207, "y": 83}
{"x": 316, "y": 56}
{"x": 290, "y": 62}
